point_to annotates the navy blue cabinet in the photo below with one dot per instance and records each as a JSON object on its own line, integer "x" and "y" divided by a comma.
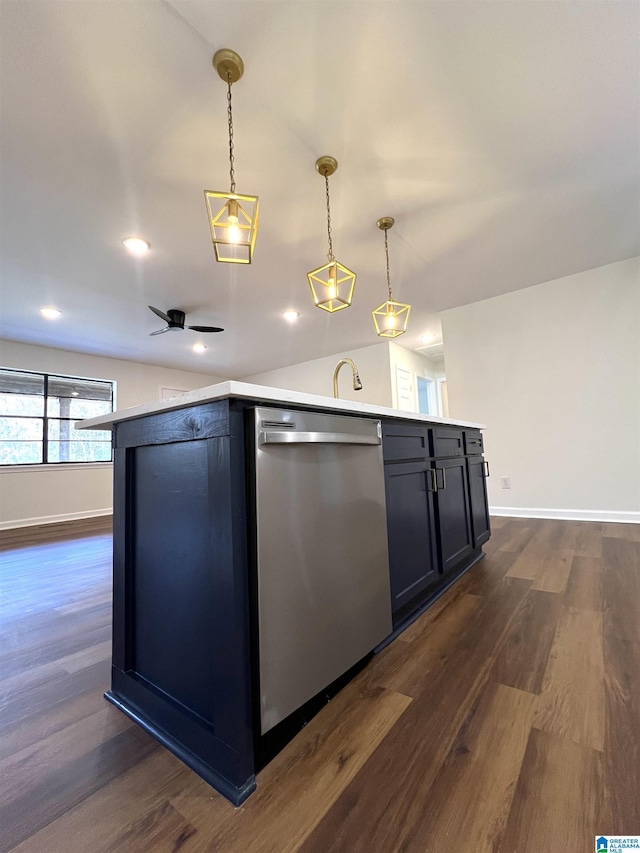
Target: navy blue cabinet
{"x": 477, "y": 473}
{"x": 181, "y": 617}
{"x": 402, "y": 442}
{"x": 453, "y": 512}
{"x": 446, "y": 441}
{"x": 411, "y": 530}
{"x": 437, "y": 511}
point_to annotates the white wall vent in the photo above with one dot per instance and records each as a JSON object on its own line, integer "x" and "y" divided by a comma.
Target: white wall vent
{"x": 432, "y": 350}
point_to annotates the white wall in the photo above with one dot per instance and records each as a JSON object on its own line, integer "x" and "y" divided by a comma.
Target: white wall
{"x": 554, "y": 373}
{"x": 316, "y": 376}
{"x": 42, "y": 493}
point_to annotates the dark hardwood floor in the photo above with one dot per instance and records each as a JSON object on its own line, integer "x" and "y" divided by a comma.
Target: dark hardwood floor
{"x": 17, "y": 537}
{"x": 505, "y": 720}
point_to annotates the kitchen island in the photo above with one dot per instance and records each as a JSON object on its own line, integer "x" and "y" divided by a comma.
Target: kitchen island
{"x": 200, "y": 627}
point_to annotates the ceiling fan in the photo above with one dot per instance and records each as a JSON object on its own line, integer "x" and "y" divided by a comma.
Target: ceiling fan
{"x": 174, "y": 319}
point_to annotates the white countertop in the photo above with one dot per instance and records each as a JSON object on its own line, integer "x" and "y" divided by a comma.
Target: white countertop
{"x": 263, "y": 394}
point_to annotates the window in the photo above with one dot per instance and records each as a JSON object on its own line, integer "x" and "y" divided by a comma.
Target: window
{"x": 37, "y": 416}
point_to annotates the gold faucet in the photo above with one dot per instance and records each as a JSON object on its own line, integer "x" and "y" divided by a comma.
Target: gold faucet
{"x": 357, "y": 384}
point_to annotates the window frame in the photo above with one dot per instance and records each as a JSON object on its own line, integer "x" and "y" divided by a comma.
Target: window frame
{"x": 45, "y": 418}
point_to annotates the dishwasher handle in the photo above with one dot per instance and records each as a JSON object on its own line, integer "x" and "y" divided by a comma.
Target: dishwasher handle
{"x": 316, "y": 438}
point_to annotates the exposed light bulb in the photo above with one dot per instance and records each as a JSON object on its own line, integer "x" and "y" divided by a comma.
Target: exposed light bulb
{"x": 50, "y": 313}
{"x": 233, "y": 231}
{"x": 331, "y": 282}
{"x": 390, "y": 321}
{"x": 136, "y": 245}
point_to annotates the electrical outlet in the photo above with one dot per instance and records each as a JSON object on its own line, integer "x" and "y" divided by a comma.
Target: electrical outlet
{"x": 505, "y": 482}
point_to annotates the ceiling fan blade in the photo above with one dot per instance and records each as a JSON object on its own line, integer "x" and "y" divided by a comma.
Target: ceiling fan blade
{"x": 160, "y": 314}
{"x": 206, "y": 328}
{"x": 159, "y": 332}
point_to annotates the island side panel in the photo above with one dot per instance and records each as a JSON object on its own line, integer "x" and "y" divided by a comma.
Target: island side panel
{"x": 181, "y": 622}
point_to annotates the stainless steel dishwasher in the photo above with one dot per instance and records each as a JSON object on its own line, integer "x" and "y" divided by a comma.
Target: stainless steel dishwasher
{"x": 324, "y": 600}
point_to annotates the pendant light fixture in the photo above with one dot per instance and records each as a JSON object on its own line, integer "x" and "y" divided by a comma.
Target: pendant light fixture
{"x": 332, "y": 284}
{"x": 390, "y": 318}
{"x": 233, "y": 218}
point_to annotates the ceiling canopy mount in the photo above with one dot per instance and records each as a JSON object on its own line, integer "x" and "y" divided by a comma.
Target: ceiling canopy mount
{"x": 228, "y": 64}
{"x": 326, "y": 165}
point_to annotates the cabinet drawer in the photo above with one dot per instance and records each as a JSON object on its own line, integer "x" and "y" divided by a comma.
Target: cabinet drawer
{"x": 447, "y": 441}
{"x": 473, "y": 442}
{"x": 404, "y": 441}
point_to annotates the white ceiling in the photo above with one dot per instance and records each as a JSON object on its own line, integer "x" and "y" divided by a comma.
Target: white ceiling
{"x": 502, "y": 136}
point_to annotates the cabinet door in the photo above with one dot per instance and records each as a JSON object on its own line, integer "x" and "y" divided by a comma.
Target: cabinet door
{"x": 453, "y": 512}
{"x": 410, "y": 529}
{"x": 479, "y": 502}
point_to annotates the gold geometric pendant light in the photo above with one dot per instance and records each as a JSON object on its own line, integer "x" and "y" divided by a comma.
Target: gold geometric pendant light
{"x": 390, "y": 318}
{"x": 332, "y": 284}
{"x": 233, "y": 218}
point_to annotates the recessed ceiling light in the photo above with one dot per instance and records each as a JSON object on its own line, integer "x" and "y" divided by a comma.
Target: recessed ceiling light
{"x": 75, "y": 393}
{"x": 291, "y": 316}
{"x": 428, "y": 337}
{"x": 136, "y": 245}
{"x": 199, "y": 347}
{"x": 51, "y": 313}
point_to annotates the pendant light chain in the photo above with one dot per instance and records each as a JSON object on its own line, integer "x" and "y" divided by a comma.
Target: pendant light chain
{"x": 330, "y": 255}
{"x": 232, "y": 174}
{"x": 233, "y": 216}
{"x": 389, "y": 319}
{"x": 386, "y": 249}
{"x": 332, "y": 283}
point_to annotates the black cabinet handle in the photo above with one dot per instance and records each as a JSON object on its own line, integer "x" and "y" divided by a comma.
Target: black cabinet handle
{"x": 434, "y": 482}
{"x": 486, "y": 468}
{"x": 444, "y": 479}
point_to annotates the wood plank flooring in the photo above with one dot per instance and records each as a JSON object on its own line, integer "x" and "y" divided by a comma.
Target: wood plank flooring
{"x": 16, "y": 537}
{"x": 505, "y": 720}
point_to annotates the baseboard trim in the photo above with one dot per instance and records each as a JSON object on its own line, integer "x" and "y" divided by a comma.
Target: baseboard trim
{"x": 567, "y": 514}
{"x": 54, "y": 519}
